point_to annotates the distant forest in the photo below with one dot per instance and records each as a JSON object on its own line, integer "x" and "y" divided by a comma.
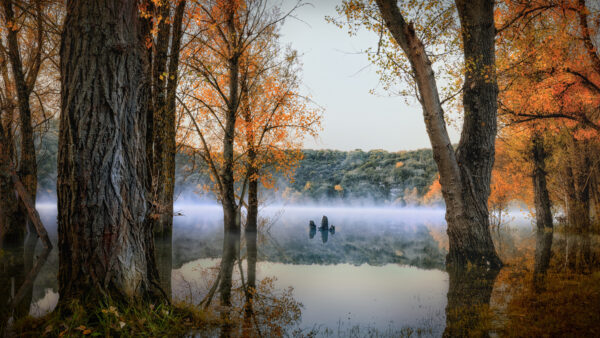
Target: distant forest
{"x": 399, "y": 178}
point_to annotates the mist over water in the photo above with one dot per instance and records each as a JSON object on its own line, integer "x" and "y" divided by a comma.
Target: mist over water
{"x": 382, "y": 267}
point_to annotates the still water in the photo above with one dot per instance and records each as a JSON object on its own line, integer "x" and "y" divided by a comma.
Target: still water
{"x": 381, "y": 270}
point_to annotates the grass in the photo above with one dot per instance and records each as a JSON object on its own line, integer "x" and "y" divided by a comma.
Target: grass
{"x": 106, "y": 320}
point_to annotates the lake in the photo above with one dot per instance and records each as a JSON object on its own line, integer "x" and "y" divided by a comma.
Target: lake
{"x": 381, "y": 271}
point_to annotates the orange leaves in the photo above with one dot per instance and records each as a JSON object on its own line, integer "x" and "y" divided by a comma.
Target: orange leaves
{"x": 544, "y": 66}
{"x": 238, "y": 75}
{"x": 434, "y": 194}
{"x": 511, "y": 175}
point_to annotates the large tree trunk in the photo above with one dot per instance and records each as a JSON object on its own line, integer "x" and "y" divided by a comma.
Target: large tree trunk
{"x": 476, "y": 148}
{"x": 27, "y": 170}
{"x": 543, "y": 214}
{"x": 464, "y": 175}
{"x": 105, "y": 244}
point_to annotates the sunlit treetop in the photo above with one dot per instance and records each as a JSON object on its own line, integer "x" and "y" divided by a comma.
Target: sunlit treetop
{"x": 548, "y": 65}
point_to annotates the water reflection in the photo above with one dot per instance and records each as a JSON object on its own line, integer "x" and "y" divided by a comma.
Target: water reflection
{"x": 324, "y": 235}
{"x": 577, "y": 253}
{"x": 381, "y": 270}
{"x": 469, "y": 293}
{"x": 18, "y": 271}
{"x": 543, "y": 252}
{"x": 312, "y": 232}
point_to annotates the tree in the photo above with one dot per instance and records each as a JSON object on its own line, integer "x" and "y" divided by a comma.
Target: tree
{"x": 543, "y": 214}
{"x": 164, "y": 32}
{"x": 275, "y": 120}
{"x": 465, "y": 173}
{"x": 549, "y": 86}
{"x": 245, "y": 111}
{"x": 26, "y": 32}
{"x": 105, "y": 243}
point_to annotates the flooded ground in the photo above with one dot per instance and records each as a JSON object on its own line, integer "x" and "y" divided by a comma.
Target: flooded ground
{"x": 381, "y": 272}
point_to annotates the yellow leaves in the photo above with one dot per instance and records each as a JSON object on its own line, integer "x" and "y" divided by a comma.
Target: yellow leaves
{"x": 84, "y": 330}
{"x": 338, "y": 187}
{"x": 399, "y": 164}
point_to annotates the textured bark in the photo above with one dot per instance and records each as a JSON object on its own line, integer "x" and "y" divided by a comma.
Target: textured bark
{"x": 146, "y": 28}
{"x": 164, "y": 261}
{"x": 543, "y": 214}
{"x": 27, "y": 170}
{"x": 105, "y": 244}
{"x": 468, "y": 291}
{"x": 11, "y": 224}
{"x": 158, "y": 104}
{"x": 465, "y": 174}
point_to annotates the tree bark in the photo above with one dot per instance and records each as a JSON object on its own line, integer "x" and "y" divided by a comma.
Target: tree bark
{"x": 12, "y": 227}
{"x": 158, "y": 103}
{"x": 465, "y": 174}
{"x": 164, "y": 260}
{"x": 543, "y": 214}
{"x": 166, "y": 135}
{"x": 106, "y": 247}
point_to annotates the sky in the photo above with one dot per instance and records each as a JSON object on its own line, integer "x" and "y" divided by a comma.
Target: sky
{"x": 338, "y": 78}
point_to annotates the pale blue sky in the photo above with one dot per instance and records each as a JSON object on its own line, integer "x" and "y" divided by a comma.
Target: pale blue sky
{"x": 332, "y": 76}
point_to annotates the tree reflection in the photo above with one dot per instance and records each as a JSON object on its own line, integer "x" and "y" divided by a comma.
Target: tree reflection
{"x": 469, "y": 294}
{"x": 231, "y": 243}
{"x": 543, "y": 252}
{"x": 312, "y": 232}
{"x": 578, "y": 252}
{"x": 18, "y": 271}
{"x": 324, "y": 235}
